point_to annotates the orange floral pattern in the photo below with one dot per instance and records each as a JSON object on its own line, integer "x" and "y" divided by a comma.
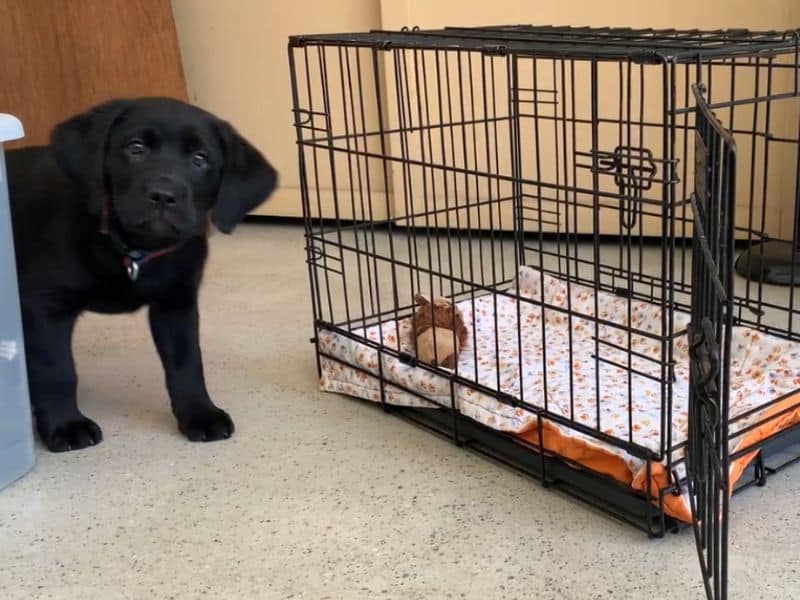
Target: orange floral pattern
{"x": 606, "y": 374}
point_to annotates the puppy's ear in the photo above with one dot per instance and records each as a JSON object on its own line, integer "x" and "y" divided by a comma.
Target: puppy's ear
{"x": 421, "y": 300}
{"x": 80, "y": 146}
{"x": 442, "y": 302}
{"x": 247, "y": 180}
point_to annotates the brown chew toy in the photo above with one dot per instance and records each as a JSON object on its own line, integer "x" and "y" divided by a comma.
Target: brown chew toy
{"x": 434, "y": 324}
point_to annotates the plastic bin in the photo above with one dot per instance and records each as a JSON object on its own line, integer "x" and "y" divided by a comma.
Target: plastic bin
{"x": 16, "y": 431}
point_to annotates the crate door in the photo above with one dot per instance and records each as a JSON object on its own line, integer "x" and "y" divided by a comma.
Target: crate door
{"x": 707, "y": 458}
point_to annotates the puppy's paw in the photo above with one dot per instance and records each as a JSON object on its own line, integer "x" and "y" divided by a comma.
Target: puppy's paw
{"x": 73, "y": 434}
{"x": 206, "y": 425}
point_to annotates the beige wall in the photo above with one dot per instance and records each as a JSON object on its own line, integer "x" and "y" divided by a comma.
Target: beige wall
{"x": 236, "y": 64}
{"x": 235, "y": 61}
{"x": 753, "y": 14}
{"x": 709, "y": 14}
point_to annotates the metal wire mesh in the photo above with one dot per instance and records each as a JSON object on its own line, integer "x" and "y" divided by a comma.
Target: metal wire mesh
{"x": 442, "y": 161}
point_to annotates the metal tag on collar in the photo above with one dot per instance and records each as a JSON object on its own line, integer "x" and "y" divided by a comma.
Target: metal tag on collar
{"x": 132, "y": 267}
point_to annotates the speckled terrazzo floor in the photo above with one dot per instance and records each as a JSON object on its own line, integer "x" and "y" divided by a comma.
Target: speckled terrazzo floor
{"x": 318, "y": 496}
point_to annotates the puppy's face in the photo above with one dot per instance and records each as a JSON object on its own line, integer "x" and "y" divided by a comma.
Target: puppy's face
{"x": 161, "y": 167}
{"x": 164, "y": 166}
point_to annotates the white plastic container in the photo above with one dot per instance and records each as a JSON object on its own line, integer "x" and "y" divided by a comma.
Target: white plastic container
{"x": 16, "y": 430}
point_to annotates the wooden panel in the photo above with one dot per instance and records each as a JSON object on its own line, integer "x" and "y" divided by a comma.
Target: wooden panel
{"x": 57, "y": 59}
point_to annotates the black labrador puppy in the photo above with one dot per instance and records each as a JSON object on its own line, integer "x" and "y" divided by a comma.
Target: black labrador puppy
{"x": 113, "y": 216}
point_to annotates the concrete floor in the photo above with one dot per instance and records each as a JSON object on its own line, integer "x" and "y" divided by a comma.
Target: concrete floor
{"x": 319, "y": 496}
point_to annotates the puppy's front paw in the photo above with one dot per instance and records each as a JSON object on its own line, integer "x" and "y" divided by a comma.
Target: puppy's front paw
{"x": 206, "y": 425}
{"x": 72, "y": 434}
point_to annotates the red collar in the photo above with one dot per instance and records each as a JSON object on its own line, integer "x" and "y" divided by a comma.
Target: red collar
{"x": 132, "y": 259}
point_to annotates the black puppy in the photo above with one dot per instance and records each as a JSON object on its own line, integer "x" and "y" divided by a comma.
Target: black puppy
{"x": 114, "y": 216}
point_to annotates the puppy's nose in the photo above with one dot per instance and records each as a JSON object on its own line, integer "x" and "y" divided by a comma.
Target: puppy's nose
{"x": 162, "y": 196}
{"x": 165, "y": 192}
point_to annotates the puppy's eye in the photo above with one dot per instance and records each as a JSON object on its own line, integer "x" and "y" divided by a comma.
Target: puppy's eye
{"x": 200, "y": 159}
{"x": 136, "y": 148}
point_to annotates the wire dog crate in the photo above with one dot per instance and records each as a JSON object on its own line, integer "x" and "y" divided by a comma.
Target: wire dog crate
{"x": 582, "y": 196}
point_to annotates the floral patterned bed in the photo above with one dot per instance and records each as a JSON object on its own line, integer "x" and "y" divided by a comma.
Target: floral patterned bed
{"x": 563, "y": 357}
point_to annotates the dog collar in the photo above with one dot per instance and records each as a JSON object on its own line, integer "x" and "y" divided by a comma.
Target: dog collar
{"x": 132, "y": 259}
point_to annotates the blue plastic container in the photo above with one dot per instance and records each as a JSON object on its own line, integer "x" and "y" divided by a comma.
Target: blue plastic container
{"x": 16, "y": 430}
